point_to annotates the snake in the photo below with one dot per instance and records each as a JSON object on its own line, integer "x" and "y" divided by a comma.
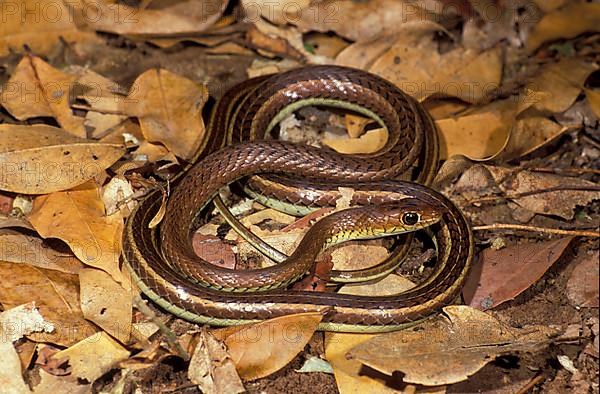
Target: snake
{"x": 162, "y": 261}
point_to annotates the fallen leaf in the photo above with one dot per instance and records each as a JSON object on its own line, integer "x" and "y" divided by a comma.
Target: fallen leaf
{"x": 212, "y": 249}
{"x": 364, "y": 53}
{"x": 106, "y": 303}
{"x": 371, "y": 141}
{"x": 169, "y": 108}
{"x": 529, "y": 134}
{"x": 211, "y": 367}
{"x": 37, "y": 89}
{"x": 350, "y": 375}
{"x": 501, "y": 275}
{"x": 461, "y": 72}
{"x": 557, "y": 86}
{"x": 38, "y": 25}
{"x": 368, "y": 20}
{"x": 56, "y": 296}
{"x": 184, "y": 17}
{"x": 261, "y": 349}
{"x": 16, "y": 247}
{"x": 324, "y": 45}
{"x": 567, "y": 22}
{"x": 449, "y": 349}
{"x": 117, "y": 196}
{"x": 44, "y": 159}
{"x": 77, "y": 217}
{"x": 463, "y": 135}
{"x": 315, "y": 364}
{"x": 593, "y": 97}
{"x": 560, "y": 203}
{"x": 582, "y": 287}
{"x": 55, "y": 384}
{"x": 93, "y": 356}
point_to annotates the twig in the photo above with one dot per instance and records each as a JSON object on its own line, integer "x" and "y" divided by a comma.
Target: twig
{"x": 169, "y": 335}
{"x": 508, "y": 226}
{"x": 574, "y": 170}
{"x": 535, "y": 380}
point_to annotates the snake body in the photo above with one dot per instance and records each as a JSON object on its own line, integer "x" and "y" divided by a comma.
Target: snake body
{"x": 165, "y": 267}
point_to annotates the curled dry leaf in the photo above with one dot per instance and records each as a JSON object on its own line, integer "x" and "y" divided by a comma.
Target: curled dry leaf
{"x": 77, "y": 217}
{"x": 169, "y": 108}
{"x": 44, "y": 159}
{"x": 93, "y": 356}
{"x": 261, "y": 349}
{"x": 582, "y": 287}
{"x": 557, "y": 86}
{"x": 106, "y": 303}
{"x": 56, "y": 295}
{"x": 211, "y": 367}
{"x": 39, "y": 32}
{"x": 37, "y": 89}
{"x": 449, "y": 349}
{"x": 567, "y": 22}
{"x": 530, "y": 134}
{"x": 184, "y": 17}
{"x": 501, "y": 275}
{"x": 16, "y": 247}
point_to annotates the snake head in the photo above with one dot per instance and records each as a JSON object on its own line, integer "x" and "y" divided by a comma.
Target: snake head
{"x": 406, "y": 215}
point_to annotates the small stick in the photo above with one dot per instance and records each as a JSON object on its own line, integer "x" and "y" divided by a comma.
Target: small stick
{"x": 535, "y": 380}
{"x": 508, "y": 226}
{"x": 169, "y": 335}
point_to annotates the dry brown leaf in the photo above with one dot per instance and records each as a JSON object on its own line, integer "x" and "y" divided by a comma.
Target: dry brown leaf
{"x": 567, "y": 22}
{"x": 550, "y": 5}
{"x": 56, "y": 295}
{"x": 501, "y": 275}
{"x": 183, "y": 17}
{"x": 106, "y": 303}
{"x": 362, "y": 54}
{"x": 169, "y": 108}
{"x": 43, "y": 159}
{"x": 261, "y": 349}
{"x": 464, "y": 73}
{"x": 37, "y": 89}
{"x": 371, "y": 141}
{"x": 530, "y": 134}
{"x": 479, "y": 135}
{"x": 16, "y": 247}
{"x": 212, "y": 249}
{"x": 38, "y": 25}
{"x": 324, "y": 45}
{"x": 283, "y": 41}
{"x": 449, "y": 349}
{"x": 582, "y": 287}
{"x": 93, "y": 356}
{"x": 557, "y": 86}
{"x": 560, "y": 203}
{"x": 77, "y": 217}
{"x": 211, "y": 367}
{"x": 593, "y": 97}
{"x": 350, "y": 377}
{"x": 56, "y": 384}
{"x": 356, "y": 21}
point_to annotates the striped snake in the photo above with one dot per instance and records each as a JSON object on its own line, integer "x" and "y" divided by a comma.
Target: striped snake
{"x": 166, "y": 268}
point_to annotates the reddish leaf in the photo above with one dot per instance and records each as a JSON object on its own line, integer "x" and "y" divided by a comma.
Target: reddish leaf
{"x": 582, "y": 287}
{"x": 501, "y": 275}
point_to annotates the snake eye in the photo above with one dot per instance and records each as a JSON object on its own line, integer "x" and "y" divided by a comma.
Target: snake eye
{"x": 410, "y": 218}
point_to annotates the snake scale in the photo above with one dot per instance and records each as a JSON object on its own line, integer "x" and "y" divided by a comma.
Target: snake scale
{"x": 166, "y": 268}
